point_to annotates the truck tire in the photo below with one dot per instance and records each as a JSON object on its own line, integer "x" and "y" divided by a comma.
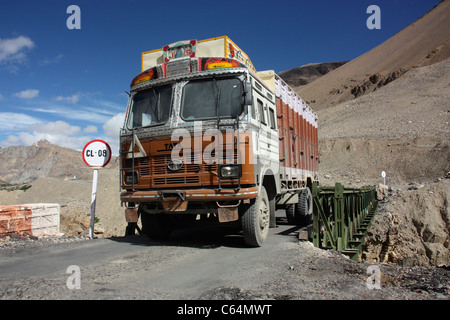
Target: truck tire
{"x": 273, "y": 218}
{"x": 304, "y": 208}
{"x": 156, "y": 226}
{"x": 256, "y": 220}
{"x": 290, "y": 214}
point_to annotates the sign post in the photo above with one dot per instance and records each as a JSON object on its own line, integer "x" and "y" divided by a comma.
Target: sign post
{"x": 96, "y": 154}
{"x": 383, "y": 174}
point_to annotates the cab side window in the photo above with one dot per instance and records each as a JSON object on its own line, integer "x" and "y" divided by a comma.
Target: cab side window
{"x": 272, "y": 122}
{"x": 261, "y": 112}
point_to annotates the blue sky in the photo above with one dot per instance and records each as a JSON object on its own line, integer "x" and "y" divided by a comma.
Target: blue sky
{"x": 68, "y": 86}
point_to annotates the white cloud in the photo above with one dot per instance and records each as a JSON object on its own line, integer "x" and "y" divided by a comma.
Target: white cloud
{"x": 47, "y": 61}
{"x": 94, "y": 111}
{"x": 113, "y": 125}
{"x": 112, "y": 129}
{"x": 56, "y": 128}
{"x": 10, "y": 141}
{"x": 90, "y": 129}
{"x": 16, "y": 121}
{"x": 68, "y": 112}
{"x": 71, "y": 99}
{"x": 12, "y": 50}
{"x": 27, "y": 94}
{"x": 59, "y": 132}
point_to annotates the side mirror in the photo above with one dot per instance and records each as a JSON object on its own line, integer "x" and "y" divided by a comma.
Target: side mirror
{"x": 248, "y": 96}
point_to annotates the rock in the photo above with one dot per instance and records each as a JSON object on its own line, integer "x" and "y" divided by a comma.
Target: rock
{"x": 303, "y": 235}
{"x": 413, "y": 229}
{"x": 98, "y": 230}
{"x": 382, "y": 191}
{"x": 416, "y": 187}
{"x": 86, "y": 222}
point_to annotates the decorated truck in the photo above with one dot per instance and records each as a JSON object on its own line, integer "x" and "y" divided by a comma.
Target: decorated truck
{"x": 208, "y": 139}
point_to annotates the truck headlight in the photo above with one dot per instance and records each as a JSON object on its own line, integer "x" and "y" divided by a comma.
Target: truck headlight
{"x": 230, "y": 171}
{"x": 131, "y": 178}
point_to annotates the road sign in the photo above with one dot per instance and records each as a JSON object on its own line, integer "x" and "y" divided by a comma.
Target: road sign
{"x": 96, "y": 153}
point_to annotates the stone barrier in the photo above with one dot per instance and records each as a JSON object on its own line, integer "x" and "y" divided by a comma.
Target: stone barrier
{"x": 37, "y": 219}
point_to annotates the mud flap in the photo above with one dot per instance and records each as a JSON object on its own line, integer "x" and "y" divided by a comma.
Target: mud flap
{"x": 131, "y": 215}
{"x": 227, "y": 214}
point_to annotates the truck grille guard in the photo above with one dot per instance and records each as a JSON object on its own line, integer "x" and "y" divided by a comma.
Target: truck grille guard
{"x": 122, "y": 169}
{"x": 236, "y": 160}
{"x": 137, "y": 160}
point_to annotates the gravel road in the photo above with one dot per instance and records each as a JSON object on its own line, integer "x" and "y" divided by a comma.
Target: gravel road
{"x": 201, "y": 263}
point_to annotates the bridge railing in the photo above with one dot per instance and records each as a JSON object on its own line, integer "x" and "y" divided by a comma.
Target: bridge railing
{"x": 342, "y": 216}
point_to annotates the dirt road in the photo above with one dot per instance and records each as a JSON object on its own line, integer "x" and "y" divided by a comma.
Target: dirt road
{"x": 203, "y": 263}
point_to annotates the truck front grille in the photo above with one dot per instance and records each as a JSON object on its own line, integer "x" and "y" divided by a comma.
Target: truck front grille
{"x": 154, "y": 172}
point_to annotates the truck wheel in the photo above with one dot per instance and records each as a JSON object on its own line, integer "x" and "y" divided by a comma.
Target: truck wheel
{"x": 304, "y": 207}
{"x": 273, "y": 218}
{"x": 290, "y": 214}
{"x": 156, "y": 226}
{"x": 256, "y": 220}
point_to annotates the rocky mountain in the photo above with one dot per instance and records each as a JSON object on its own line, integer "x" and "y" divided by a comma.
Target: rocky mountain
{"x": 422, "y": 43}
{"x": 20, "y": 164}
{"x": 303, "y": 75}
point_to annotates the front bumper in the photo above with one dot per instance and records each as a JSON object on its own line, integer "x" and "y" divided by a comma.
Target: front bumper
{"x": 189, "y": 195}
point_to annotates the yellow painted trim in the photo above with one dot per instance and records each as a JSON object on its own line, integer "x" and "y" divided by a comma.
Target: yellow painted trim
{"x": 142, "y": 57}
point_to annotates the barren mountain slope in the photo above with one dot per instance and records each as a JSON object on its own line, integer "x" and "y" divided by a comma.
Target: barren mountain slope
{"x": 402, "y": 128}
{"x": 303, "y": 75}
{"x": 424, "y": 42}
{"x": 19, "y": 164}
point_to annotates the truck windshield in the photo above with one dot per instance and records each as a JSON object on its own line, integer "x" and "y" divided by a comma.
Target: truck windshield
{"x": 206, "y": 99}
{"x": 150, "y": 107}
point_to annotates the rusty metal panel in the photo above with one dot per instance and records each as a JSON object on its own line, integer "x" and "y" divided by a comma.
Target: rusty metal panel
{"x": 177, "y": 205}
{"x": 227, "y": 214}
{"x": 131, "y": 215}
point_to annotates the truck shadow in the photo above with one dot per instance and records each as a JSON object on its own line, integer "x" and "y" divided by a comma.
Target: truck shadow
{"x": 196, "y": 237}
{"x": 206, "y": 237}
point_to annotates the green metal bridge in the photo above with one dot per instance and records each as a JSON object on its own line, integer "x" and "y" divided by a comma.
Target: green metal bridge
{"x": 342, "y": 216}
